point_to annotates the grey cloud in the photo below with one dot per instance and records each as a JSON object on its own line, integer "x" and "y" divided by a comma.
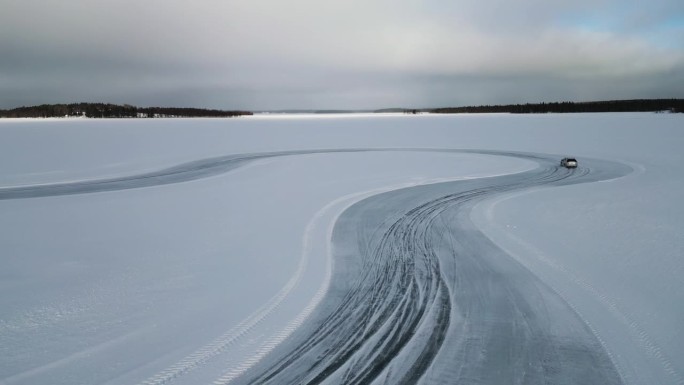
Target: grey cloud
{"x": 339, "y": 54}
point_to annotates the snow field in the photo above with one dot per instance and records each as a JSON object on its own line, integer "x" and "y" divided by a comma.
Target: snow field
{"x": 159, "y": 256}
{"x": 182, "y": 281}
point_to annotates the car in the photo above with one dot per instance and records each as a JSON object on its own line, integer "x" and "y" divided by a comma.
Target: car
{"x": 568, "y": 163}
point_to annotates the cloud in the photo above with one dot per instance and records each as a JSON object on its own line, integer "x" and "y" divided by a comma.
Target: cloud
{"x": 336, "y": 54}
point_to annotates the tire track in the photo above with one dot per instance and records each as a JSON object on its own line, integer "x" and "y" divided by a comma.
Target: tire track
{"x": 398, "y": 295}
{"x": 199, "y": 169}
{"x": 395, "y": 315}
{"x": 212, "y": 350}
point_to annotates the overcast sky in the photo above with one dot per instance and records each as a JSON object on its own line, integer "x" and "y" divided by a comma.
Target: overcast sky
{"x": 350, "y": 54}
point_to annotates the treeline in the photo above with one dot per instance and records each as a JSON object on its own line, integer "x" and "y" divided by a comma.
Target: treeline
{"x": 106, "y": 110}
{"x": 175, "y": 112}
{"x": 638, "y": 105}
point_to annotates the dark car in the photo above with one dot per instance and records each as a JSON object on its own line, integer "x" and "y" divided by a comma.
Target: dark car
{"x": 569, "y": 163}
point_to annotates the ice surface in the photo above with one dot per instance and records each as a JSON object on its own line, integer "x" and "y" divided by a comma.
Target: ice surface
{"x": 189, "y": 281}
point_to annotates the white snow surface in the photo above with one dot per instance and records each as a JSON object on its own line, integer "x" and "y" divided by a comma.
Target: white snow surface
{"x": 194, "y": 282}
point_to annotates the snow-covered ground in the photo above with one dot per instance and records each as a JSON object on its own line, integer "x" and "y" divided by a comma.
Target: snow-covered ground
{"x": 199, "y": 279}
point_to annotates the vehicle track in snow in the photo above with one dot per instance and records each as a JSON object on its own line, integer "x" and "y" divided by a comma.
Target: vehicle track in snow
{"x": 185, "y": 172}
{"x": 419, "y": 295}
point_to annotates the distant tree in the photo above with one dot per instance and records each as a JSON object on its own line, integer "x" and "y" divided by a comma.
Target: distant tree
{"x": 639, "y": 105}
{"x": 102, "y": 110}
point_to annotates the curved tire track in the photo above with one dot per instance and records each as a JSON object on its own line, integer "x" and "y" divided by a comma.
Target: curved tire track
{"x": 419, "y": 295}
{"x": 186, "y": 172}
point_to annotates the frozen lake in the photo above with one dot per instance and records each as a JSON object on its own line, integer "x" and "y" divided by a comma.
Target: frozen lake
{"x": 343, "y": 249}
